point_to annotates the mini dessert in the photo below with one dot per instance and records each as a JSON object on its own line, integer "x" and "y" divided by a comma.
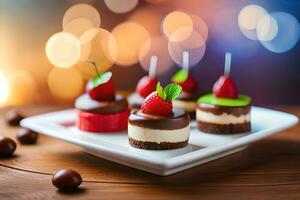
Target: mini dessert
{"x": 187, "y": 100}
{"x": 224, "y": 111}
{"x": 145, "y": 86}
{"x": 157, "y": 125}
{"x": 100, "y": 109}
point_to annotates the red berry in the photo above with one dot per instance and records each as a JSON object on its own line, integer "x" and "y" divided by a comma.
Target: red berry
{"x": 189, "y": 85}
{"x": 155, "y": 105}
{"x": 225, "y": 88}
{"x": 103, "y": 92}
{"x": 146, "y": 86}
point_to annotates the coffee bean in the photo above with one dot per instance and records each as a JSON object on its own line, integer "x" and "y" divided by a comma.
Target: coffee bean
{"x": 66, "y": 179}
{"x": 26, "y": 136}
{"x": 13, "y": 117}
{"x": 7, "y": 147}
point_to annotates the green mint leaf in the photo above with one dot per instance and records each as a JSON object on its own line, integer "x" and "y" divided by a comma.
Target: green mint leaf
{"x": 160, "y": 91}
{"x": 103, "y": 78}
{"x": 172, "y": 91}
{"x": 180, "y": 76}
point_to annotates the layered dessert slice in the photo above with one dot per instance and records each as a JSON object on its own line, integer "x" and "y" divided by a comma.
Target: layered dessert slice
{"x": 158, "y": 132}
{"x": 157, "y": 125}
{"x": 223, "y": 115}
{"x": 224, "y": 111}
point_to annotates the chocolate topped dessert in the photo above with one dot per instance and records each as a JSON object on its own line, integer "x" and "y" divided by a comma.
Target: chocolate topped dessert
{"x": 158, "y": 126}
{"x": 100, "y": 109}
{"x": 224, "y": 111}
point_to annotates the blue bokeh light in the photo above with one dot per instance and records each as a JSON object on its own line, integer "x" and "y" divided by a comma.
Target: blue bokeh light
{"x": 288, "y": 33}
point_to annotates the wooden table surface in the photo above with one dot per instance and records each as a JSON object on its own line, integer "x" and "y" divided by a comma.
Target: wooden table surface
{"x": 268, "y": 169}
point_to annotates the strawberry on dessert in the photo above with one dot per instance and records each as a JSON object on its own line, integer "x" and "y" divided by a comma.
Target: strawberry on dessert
{"x": 224, "y": 111}
{"x": 225, "y": 88}
{"x": 100, "y": 109}
{"x": 187, "y": 100}
{"x": 145, "y": 86}
{"x": 158, "y": 125}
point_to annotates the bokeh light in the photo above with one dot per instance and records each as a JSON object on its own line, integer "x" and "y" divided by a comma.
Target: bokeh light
{"x": 130, "y": 37}
{"x": 176, "y": 20}
{"x": 200, "y": 26}
{"x": 153, "y": 17}
{"x": 288, "y": 33}
{"x": 155, "y": 46}
{"x": 267, "y": 28}
{"x": 63, "y": 50}
{"x": 4, "y": 90}
{"x": 250, "y": 15}
{"x": 194, "y": 45}
{"x": 22, "y": 87}
{"x": 121, "y": 6}
{"x": 82, "y": 11}
{"x": 248, "y": 20}
{"x": 65, "y": 84}
{"x": 100, "y": 46}
{"x": 156, "y": 1}
{"x": 78, "y": 26}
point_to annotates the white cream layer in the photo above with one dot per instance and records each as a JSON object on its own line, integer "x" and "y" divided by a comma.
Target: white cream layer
{"x": 188, "y": 106}
{"x": 157, "y": 135}
{"x": 221, "y": 119}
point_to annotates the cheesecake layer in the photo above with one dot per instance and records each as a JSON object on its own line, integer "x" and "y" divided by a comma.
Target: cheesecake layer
{"x": 178, "y": 120}
{"x": 157, "y": 146}
{"x": 87, "y": 104}
{"x": 223, "y": 119}
{"x": 158, "y": 136}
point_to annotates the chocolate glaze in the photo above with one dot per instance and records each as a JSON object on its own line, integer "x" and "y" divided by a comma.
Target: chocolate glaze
{"x": 184, "y": 96}
{"x": 219, "y": 110}
{"x": 85, "y": 103}
{"x": 179, "y": 119}
{"x": 224, "y": 128}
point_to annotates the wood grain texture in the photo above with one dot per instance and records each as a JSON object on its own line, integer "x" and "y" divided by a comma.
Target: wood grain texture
{"x": 268, "y": 169}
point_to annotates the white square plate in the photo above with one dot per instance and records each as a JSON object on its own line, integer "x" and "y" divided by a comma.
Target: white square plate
{"x": 202, "y": 147}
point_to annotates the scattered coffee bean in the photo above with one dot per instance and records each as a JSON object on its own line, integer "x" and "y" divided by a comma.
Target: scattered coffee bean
{"x": 7, "y": 147}
{"x": 66, "y": 179}
{"x": 13, "y": 117}
{"x": 26, "y": 136}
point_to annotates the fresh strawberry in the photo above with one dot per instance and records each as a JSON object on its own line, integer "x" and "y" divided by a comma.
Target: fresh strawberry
{"x": 159, "y": 102}
{"x": 187, "y": 82}
{"x": 101, "y": 87}
{"x": 146, "y": 86}
{"x": 103, "y": 91}
{"x": 225, "y": 88}
{"x": 189, "y": 85}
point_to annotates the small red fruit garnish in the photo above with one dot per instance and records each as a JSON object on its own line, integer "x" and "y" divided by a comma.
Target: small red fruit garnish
{"x": 225, "y": 88}
{"x": 102, "y": 92}
{"x": 146, "y": 86}
{"x": 101, "y": 87}
{"x": 159, "y": 102}
{"x": 187, "y": 82}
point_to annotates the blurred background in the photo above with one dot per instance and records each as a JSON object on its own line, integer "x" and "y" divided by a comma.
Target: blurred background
{"x": 44, "y": 45}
